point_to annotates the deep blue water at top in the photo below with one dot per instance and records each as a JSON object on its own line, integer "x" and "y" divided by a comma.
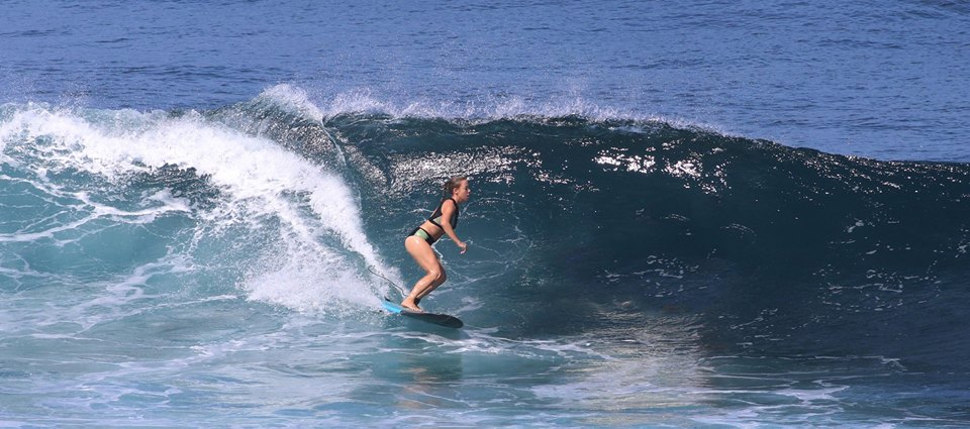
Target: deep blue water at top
{"x": 874, "y": 79}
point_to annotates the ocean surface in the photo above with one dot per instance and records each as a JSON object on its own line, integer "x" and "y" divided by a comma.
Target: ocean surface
{"x": 683, "y": 214}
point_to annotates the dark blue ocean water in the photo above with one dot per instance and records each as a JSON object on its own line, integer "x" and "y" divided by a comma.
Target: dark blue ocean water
{"x": 879, "y": 80}
{"x": 706, "y": 213}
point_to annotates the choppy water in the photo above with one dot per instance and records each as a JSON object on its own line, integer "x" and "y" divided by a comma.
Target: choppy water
{"x": 202, "y": 205}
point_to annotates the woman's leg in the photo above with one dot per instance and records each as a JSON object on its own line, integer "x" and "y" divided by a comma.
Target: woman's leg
{"x": 434, "y": 285}
{"x": 422, "y": 253}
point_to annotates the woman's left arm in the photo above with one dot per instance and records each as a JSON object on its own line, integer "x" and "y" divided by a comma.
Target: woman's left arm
{"x": 448, "y": 209}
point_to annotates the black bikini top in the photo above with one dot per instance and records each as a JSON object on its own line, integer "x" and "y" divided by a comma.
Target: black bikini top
{"x": 436, "y": 216}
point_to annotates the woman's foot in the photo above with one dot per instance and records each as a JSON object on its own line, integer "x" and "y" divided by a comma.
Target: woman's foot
{"x": 411, "y": 304}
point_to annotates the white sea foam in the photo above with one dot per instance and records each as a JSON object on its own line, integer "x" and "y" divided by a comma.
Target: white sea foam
{"x": 322, "y": 242}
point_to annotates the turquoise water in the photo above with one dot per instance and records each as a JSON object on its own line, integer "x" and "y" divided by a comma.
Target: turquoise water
{"x": 202, "y": 206}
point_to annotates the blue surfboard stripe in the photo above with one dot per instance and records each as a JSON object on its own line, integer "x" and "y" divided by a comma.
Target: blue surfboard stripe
{"x": 392, "y": 307}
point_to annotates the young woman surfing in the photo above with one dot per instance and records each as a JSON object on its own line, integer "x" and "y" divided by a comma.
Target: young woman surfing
{"x": 441, "y": 222}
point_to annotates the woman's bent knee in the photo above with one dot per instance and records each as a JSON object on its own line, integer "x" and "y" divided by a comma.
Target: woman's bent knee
{"x": 437, "y": 276}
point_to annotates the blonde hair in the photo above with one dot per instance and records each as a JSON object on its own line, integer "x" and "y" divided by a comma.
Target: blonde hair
{"x": 452, "y": 184}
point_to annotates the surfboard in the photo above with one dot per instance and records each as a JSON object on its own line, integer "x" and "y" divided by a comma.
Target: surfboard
{"x": 438, "y": 319}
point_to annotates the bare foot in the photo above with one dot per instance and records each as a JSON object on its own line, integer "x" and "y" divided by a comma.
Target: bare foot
{"x": 411, "y": 305}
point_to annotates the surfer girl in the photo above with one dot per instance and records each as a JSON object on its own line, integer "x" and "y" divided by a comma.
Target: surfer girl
{"x": 441, "y": 222}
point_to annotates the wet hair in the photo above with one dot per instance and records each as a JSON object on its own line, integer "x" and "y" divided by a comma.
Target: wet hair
{"x": 452, "y": 184}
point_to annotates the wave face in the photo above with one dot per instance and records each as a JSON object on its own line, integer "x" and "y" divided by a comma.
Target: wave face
{"x": 781, "y": 249}
{"x": 163, "y": 260}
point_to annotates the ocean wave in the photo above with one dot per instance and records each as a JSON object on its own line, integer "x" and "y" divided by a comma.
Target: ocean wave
{"x": 575, "y": 220}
